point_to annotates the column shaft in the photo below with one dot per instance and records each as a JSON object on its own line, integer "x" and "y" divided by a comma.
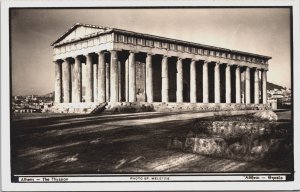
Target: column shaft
{"x": 179, "y": 81}
{"x": 89, "y": 79}
{"x": 264, "y": 86}
{"x": 238, "y": 85}
{"x": 120, "y": 79}
{"x": 66, "y": 81}
{"x": 127, "y": 80}
{"x": 149, "y": 78}
{"x": 164, "y": 80}
{"x": 107, "y": 82}
{"x": 58, "y": 82}
{"x": 228, "y": 84}
{"x": 95, "y": 82}
{"x": 132, "y": 78}
{"x": 193, "y": 85}
{"x": 114, "y": 77}
{"x": 205, "y": 82}
{"x": 256, "y": 87}
{"x": 101, "y": 77}
{"x": 217, "y": 83}
{"x": 247, "y": 85}
{"x": 77, "y": 81}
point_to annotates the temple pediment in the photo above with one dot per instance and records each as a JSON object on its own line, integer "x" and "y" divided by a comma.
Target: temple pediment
{"x": 79, "y": 31}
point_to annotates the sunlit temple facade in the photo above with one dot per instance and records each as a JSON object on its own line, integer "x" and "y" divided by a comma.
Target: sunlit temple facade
{"x": 96, "y": 64}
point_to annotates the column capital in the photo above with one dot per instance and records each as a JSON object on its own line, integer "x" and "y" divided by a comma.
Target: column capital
{"x": 228, "y": 64}
{"x": 206, "y": 61}
{"x": 101, "y": 52}
{"x": 133, "y": 51}
{"x": 86, "y": 54}
{"x": 66, "y": 59}
{"x": 113, "y": 51}
{"x": 58, "y": 61}
{"x": 218, "y": 63}
{"x": 78, "y": 56}
{"x": 149, "y": 54}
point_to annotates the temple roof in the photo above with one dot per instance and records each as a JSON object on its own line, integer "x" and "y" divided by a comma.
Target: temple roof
{"x": 104, "y": 30}
{"x": 75, "y": 26}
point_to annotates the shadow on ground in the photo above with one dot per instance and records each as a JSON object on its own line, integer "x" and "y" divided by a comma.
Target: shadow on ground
{"x": 120, "y": 143}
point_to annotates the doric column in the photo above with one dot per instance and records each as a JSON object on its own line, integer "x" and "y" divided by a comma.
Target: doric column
{"x": 132, "y": 77}
{"x": 217, "y": 83}
{"x": 238, "y": 85}
{"x": 193, "y": 85}
{"x": 95, "y": 82}
{"x": 114, "y": 77}
{"x": 120, "y": 80}
{"x": 149, "y": 78}
{"x": 228, "y": 84}
{"x": 107, "y": 82}
{"x": 247, "y": 85}
{"x": 66, "y": 67}
{"x": 205, "y": 82}
{"x": 164, "y": 80}
{"x": 256, "y": 86}
{"x": 77, "y": 81}
{"x": 89, "y": 79}
{"x": 264, "y": 86}
{"x": 101, "y": 77}
{"x": 179, "y": 81}
{"x": 127, "y": 80}
{"x": 58, "y": 82}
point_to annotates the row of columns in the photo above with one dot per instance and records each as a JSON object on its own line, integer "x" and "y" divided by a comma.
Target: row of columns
{"x": 106, "y": 87}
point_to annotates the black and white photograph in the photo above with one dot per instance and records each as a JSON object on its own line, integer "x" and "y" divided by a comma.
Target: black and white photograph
{"x": 161, "y": 94}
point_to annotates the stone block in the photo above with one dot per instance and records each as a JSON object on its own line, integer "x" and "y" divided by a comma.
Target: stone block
{"x": 266, "y": 115}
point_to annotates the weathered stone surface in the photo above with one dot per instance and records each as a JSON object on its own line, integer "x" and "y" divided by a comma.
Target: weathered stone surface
{"x": 127, "y": 107}
{"x": 165, "y": 80}
{"x": 237, "y": 85}
{"x": 266, "y": 115}
{"x": 89, "y": 79}
{"x": 73, "y": 108}
{"x": 205, "y": 82}
{"x": 205, "y": 145}
{"x": 114, "y": 80}
{"x": 180, "y": 107}
{"x": 58, "y": 82}
{"x": 193, "y": 81}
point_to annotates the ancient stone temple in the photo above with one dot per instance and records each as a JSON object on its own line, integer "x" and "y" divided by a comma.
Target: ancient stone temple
{"x": 126, "y": 66}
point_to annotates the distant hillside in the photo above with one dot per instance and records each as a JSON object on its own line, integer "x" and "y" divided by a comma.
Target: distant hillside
{"x": 271, "y": 86}
{"x": 48, "y": 95}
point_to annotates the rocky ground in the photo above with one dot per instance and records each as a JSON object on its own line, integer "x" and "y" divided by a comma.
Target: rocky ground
{"x": 111, "y": 143}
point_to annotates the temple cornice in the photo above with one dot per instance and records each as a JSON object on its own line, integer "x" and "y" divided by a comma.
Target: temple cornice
{"x": 115, "y": 36}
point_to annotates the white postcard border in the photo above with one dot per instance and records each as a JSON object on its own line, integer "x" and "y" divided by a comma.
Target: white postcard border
{"x": 5, "y": 111}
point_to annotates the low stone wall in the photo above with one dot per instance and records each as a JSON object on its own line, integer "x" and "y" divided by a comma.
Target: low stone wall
{"x": 132, "y": 107}
{"x": 178, "y": 107}
{"x": 73, "y": 108}
{"x": 252, "y": 140}
{"x": 129, "y": 107}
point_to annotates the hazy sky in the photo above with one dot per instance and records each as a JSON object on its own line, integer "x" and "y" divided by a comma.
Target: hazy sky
{"x": 263, "y": 31}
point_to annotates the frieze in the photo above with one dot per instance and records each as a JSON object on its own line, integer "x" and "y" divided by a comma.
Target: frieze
{"x": 144, "y": 41}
